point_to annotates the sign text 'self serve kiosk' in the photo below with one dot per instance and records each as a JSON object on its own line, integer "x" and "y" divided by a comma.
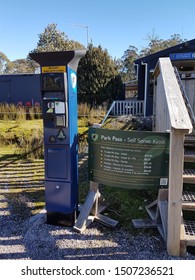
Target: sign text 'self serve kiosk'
{"x": 59, "y": 94}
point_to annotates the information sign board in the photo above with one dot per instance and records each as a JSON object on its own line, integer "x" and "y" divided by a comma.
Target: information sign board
{"x": 128, "y": 159}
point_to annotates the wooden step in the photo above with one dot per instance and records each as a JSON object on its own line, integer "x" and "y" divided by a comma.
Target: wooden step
{"x": 189, "y": 140}
{"x": 189, "y": 232}
{"x": 189, "y": 154}
{"x": 189, "y": 176}
{"x": 188, "y": 201}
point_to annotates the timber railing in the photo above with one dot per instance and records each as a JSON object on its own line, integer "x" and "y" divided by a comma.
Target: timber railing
{"x": 185, "y": 97}
{"x": 170, "y": 114}
{"x": 128, "y": 107}
{"x": 125, "y": 107}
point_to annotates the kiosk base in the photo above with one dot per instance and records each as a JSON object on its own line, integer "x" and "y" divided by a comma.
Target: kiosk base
{"x": 61, "y": 219}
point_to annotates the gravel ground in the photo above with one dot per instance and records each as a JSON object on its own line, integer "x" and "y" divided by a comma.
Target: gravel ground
{"x": 36, "y": 240}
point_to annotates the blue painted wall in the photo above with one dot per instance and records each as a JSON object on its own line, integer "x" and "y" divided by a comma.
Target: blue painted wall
{"x": 20, "y": 88}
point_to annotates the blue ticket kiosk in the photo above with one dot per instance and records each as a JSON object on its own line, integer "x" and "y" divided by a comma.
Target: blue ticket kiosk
{"x": 58, "y": 82}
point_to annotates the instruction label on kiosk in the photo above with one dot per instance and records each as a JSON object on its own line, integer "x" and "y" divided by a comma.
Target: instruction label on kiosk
{"x": 59, "y": 107}
{"x": 54, "y": 69}
{"x": 128, "y": 159}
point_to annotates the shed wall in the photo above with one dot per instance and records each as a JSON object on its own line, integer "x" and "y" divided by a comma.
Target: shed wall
{"x": 20, "y": 88}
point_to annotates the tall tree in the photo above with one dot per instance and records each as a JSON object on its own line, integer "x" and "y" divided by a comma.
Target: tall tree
{"x": 156, "y": 44}
{"x": 51, "y": 39}
{"x": 19, "y": 66}
{"x": 98, "y": 77}
{"x": 54, "y": 40}
{"x": 4, "y": 61}
{"x": 127, "y": 63}
{"x": 97, "y": 72}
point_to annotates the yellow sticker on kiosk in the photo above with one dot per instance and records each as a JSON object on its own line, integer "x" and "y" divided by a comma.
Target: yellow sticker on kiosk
{"x": 54, "y": 69}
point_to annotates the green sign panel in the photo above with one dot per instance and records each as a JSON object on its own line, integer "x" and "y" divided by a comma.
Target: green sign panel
{"x": 128, "y": 159}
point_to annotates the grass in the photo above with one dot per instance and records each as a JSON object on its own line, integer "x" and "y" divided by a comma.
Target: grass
{"x": 11, "y": 131}
{"x": 12, "y": 112}
{"x": 21, "y": 137}
{"x": 128, "y": 204}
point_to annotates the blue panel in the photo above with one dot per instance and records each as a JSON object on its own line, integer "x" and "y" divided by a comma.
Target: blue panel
{"x": 72, "y": 103}
{"x": 57, "y": 163}
{"x": 73, "y": 123}
{"x": 60, "y": 197}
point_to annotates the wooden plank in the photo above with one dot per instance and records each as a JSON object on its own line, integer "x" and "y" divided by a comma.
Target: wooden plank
{"x": 151, "y": 209}
{"x": 183, "y": 241}
{"x": 170, "y": 110}
{"x": 189, "y": 179}
{"x": 144, "y": 223}
{"x": 163, "y": 211}
{"x": 106, "y": 220}
{"x": 175, "y": 192}
{"x": 190, "y": 240}
{"x": 81, "y": 222}
{"x": 190, "y": 206}
{"x": 163, "y": 194}
{"x": 89, "y": 221}
{"x": 94, "y": 209}
{"x": 100, "y": 208}
{"x": 161, "y": 231}
{"x": 92, "y": 205}
{"x": 94, "y": 186}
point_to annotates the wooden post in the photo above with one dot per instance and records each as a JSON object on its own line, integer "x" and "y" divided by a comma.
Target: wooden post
{"x": 83, "y": 219}
{"x": 175, "y": 191}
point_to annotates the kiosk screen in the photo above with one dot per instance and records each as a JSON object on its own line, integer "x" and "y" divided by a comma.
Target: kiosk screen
{"x": 52, "y": 82}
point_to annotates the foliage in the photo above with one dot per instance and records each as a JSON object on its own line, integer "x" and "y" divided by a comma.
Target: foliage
{"x": 51, "y": 39}
{"x": 54, "y": 40}
{"x": 13, "y": 67}
{"x": 4, "y": 61}
{"x": 19, "y": 66}
{"x": 127, "y": 63}
{"x": 155, "y": 44}
{"x": 98, "y": 77}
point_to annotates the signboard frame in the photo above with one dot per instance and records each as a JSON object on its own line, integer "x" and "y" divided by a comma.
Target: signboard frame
{"x": 129, "y": 159}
